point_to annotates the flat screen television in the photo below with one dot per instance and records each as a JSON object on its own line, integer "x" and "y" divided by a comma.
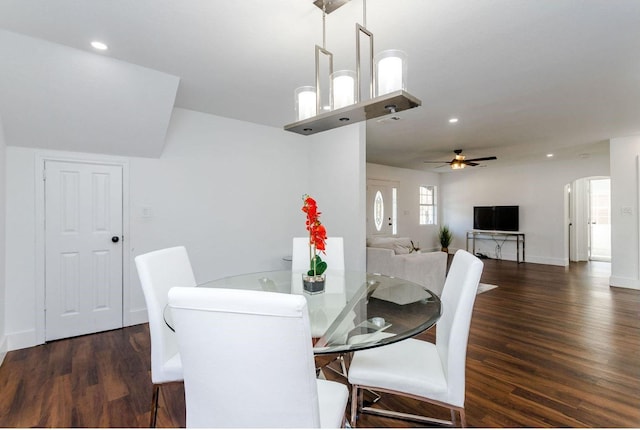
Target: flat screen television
{"x": 498, "y": 218}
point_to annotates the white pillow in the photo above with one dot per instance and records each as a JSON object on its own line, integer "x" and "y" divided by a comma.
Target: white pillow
{"x": 402, "y": 245}
{"x": 381, "y": 242}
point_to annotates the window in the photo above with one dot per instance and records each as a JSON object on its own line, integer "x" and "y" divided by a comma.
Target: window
{"x": 428, "y": 205}
{"x": 394, "y": 210}
{"x": 378, "y": 210}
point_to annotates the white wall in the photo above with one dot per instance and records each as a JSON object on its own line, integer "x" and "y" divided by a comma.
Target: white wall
{"x": 337, "y": 181}
{"x": 230, "y": 191}
{"x": 408, "y": 197}
{"x": 3, "y": 338}
{"x": 538, "y": 188}
{"x": 625, "y": 228}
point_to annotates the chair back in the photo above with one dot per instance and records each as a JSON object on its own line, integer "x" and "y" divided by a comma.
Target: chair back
{"x": 452, "y": 332}
{"x": 159, "y": 271}
{"x": 301, "y": 259}
{"x": 247, "y": 358}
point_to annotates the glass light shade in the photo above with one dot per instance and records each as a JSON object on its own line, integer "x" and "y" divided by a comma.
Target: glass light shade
{"x": 343, "y": 88}
{"x": 391, "y": 71}
{"x": 305, "y": 100}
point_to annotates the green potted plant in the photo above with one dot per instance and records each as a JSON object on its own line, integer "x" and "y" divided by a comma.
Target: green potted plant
{"x": 445, "y": 236}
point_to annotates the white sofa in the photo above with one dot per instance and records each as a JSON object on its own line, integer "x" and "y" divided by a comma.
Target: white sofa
{"x": 393, "y": 256}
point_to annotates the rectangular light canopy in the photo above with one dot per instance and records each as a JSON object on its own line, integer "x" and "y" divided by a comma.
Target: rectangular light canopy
{"x": 386, "y": 104}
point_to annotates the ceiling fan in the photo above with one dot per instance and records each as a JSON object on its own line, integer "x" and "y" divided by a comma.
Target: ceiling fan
{"x": 459, "y": 161}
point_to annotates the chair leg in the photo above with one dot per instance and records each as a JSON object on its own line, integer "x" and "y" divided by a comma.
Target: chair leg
{"x": 343, "y": 365}
{"x": 355, "y": 404}
{"x": 154, "y": 405}
{"x": 365, "y": 409}
{"x": 343, "y": 370}
{"x": 463, "y": 421}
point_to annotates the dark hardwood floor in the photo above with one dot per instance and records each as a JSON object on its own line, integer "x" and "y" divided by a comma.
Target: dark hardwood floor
{"x": 551, "y": 347}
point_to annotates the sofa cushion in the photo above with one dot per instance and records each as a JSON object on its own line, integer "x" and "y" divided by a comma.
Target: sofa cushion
{"x": 400, "y": 245}
{"x": 427, "y": 269}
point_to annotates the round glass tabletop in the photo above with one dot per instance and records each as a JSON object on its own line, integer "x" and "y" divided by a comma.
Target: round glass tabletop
{"x": 355, "y": 311}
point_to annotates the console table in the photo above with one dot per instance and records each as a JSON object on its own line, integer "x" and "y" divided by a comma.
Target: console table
{"x": 487, "y": 234}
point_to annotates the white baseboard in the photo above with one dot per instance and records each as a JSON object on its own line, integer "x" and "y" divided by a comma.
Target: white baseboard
{"x": 530, "y": 259}
{"x": 3, "y": 349}
{"x": 547, "y": 260}
{"x": 616, "y": 281}
{"x": 28, "y": 338}
{"x": 22, "y": 339}
{"x": 135, "y": 317}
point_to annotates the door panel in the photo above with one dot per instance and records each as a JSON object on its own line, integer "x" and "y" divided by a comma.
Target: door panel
{"x": 83, "y": 267}
{"x": 600, "y": 219}
{"x": 380, "y": 217}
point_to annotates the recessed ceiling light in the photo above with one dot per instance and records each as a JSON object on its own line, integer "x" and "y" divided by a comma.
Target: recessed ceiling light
{"x": 549, "y": 155}
{"x": 453, "y": 120}
{"x": 99, "y": 45}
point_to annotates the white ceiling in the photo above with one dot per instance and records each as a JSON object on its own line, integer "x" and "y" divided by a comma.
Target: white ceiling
{"x": 524, "y": 77}
{"x": 56, "y": 97}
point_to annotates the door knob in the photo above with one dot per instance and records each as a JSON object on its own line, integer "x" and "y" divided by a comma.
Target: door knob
{"x": 115, "y": 239}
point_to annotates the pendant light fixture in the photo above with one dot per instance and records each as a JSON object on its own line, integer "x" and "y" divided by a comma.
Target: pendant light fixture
{"x": 347, "y": 105}
{"x": 391, "y": 71}
{"x": 305, "y": 98}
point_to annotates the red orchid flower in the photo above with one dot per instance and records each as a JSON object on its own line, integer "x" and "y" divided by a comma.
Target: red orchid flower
{"x": 317, "y": 231}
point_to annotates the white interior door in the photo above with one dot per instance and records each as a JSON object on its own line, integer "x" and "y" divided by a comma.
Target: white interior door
{"x": 600, "y": 219}
{"x": 381, "y": 217}
{"x": 83, "y": 248}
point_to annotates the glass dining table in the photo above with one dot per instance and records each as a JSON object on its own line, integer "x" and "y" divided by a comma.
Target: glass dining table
{"x": 356, "y": 310}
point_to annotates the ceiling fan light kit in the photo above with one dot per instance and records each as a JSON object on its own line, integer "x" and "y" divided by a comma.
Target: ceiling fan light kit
{"x": 460, "y": 161}
{"x": 387, "y": 86}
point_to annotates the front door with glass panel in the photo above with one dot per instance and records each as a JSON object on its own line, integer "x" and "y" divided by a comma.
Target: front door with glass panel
{"x": 381, "y": 207}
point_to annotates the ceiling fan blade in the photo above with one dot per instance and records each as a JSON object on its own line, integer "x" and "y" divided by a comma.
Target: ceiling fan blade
{"x": 483, "y": 159}
{"x": 468, "y": 163}
{"x": 442, "y": 162}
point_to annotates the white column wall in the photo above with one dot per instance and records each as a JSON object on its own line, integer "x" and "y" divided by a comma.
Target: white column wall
{"x": 230, "y": 191}
{"x": 3, "y": 338}
{"x": 625, "y": 224}
{"x": 337, "y": 180}
{"x": 538, "y": 188}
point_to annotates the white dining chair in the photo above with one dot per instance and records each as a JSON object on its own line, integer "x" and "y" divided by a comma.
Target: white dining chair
{"x": 433, "y": 373}
{"x": 158, "y": 272}
{"x": 333, "y": 256}
{"x": 248, "y": 361}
